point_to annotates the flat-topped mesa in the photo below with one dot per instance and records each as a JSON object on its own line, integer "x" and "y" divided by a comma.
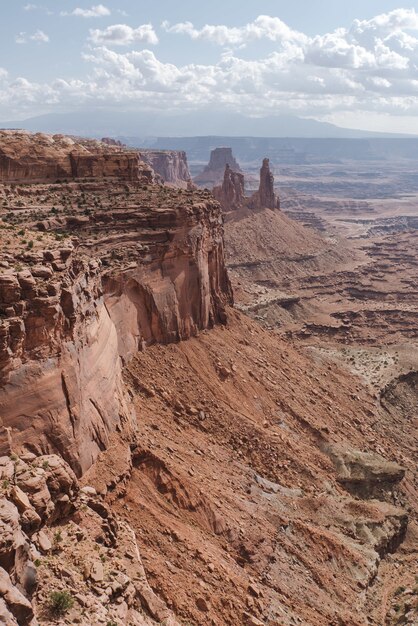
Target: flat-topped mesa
{"x": 231, "y": 193}
{"x": 171, "y": 165}
{"x": 265, "y": 198}
{"x": 213, "y": 173}
{"x": 26, "y": 157}
{"x": 105, "y": 267}
{"x": 220, "y": 158}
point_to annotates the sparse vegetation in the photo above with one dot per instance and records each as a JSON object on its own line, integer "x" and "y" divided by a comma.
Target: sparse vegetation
{"x": 60, "y": 602}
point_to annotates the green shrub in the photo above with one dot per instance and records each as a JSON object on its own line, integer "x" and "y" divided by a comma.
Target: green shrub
{"x": 60, "y": 602}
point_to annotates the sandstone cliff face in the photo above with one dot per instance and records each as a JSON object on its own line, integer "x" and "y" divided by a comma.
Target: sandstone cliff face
{"x": 40, "y": 157}
{"x": 60, "y": 376}
{"x": 170, "y": 165}
{"x": 143, "y": 264}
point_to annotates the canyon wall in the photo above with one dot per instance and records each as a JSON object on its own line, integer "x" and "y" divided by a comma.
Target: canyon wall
{"x": 60, "y": 376}
{"x": 26, "y": 157}
{"x": 171, "y": 165}
{"x": 130, "y": 265}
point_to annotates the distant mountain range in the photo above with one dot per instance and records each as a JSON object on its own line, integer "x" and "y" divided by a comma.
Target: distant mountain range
{"x": 143, "y": 125}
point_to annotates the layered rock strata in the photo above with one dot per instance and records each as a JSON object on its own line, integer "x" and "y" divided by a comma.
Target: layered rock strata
{"x": 25, "y": 157}
{"x": 104, "y": 269}
{"x": 171, "y": 165}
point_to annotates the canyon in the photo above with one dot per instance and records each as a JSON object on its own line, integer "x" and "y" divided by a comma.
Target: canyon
{"x": 208, "y": 408}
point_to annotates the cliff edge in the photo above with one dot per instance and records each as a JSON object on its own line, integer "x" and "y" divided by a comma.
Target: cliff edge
{"x": 91, "y": 272}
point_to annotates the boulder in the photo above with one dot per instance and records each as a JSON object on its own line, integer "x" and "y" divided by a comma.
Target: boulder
{"x": 14, "y": 600}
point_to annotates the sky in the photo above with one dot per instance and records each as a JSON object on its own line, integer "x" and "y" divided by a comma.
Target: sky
{"x": 353, "y": 63}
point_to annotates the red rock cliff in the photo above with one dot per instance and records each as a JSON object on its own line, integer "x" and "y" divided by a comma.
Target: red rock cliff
{"x": 142, "y": 264}
{"x": 40, "y": 157}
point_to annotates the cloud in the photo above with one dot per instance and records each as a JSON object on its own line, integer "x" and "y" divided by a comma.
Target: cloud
{"x": 264, "y": 27}
{"x": 37, "y": 7}
{"x": 38, "y": 36}
{"x": 124, "y": 35}
{"x": 371, "y": 66}
{"x": 96, "y": 11}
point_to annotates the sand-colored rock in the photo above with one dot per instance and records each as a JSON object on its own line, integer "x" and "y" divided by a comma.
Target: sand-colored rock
{"x": 365, "y": 474}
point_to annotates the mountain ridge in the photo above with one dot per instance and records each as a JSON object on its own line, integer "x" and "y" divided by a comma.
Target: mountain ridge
{"x": 100, "y": 122}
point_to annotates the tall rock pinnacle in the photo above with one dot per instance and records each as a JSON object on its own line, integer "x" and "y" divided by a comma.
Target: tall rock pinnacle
{"x": 266, "y": 190}
{"x": 231, "y": 193}
{"x": 265, "y": 198}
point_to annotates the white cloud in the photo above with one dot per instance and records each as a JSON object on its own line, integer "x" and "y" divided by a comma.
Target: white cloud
{"x": 369, "y": 67}
{"x": 96, "y": 11}
{"x": 38, "y": 36}
{"x": 37, "y": 7}
{"x": 264, "y": 27}
{"x": 124, "y": 35}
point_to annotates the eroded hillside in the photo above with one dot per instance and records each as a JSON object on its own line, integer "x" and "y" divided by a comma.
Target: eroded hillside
{"x": 166, "y": 458}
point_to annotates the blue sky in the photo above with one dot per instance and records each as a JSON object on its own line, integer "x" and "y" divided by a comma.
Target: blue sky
{"x": 353, "y": 63}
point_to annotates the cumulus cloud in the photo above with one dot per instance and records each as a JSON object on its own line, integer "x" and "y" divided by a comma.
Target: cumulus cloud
{"x": 369, "y": 66}
{"x": 30, "y": 7}
{"x": 38, "y": 36}
{"x": 124, "y": 35}
{"x": 96, "y": 11}
{"x": 264, "y": 27}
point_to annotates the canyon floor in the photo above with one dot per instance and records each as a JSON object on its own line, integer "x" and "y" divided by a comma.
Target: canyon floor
{"x": 263, "y": 469}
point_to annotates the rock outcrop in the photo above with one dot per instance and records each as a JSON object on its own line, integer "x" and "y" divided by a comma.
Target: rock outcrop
{"x": 38, "y": 158}
{"x": 113, "y": 267}
{"x": 64, "y": 555}
{"x": 364, "y": 474}
{"x": 265, "y": 198}
{"x": 231, "y": 193}
{"x": 214, "y": 172}
{"x": 171, "y": 165}
{"x": 35, "y": 491}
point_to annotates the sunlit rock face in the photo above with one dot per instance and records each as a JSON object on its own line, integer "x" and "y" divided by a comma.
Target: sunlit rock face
{"x": 113, "y": 266}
